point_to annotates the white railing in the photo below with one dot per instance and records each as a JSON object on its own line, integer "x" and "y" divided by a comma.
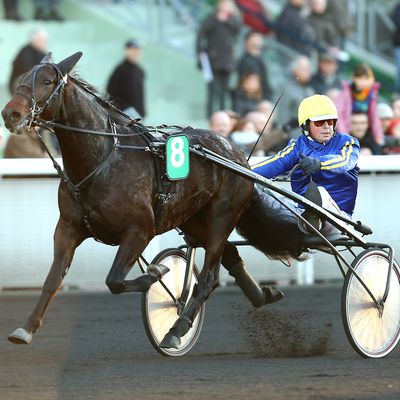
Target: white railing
{"x": 43, "y": 166}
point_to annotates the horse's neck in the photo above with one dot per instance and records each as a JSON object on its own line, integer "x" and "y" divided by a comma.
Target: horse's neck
{"x": 82, "y": 153}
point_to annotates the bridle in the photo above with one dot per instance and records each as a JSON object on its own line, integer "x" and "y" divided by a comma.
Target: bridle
{"x": 34, "y": 118}
{"x": 35, "y": 110}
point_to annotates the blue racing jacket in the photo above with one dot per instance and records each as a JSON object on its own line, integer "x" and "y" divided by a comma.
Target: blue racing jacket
{"x": 338, "y": 173}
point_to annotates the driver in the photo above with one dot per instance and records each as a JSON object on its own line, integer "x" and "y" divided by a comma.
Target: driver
{"x": 323, "y": 156}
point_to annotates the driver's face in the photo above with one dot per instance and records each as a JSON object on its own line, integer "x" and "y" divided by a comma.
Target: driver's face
{"x": 322, "y": 131}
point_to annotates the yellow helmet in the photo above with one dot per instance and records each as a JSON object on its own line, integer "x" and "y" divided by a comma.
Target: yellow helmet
{"x": 316, "y": 108}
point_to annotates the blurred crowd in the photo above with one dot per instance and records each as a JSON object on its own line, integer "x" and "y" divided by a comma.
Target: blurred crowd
{"x": 44, "y": 10}
{"x": 241, "y": 90}
{"x": 317, "y": 31}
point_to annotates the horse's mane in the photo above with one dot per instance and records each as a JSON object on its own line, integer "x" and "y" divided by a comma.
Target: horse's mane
{"x": 106, "y": 104}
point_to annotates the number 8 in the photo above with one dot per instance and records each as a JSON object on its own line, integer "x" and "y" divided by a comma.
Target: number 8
{"x": 177, "y": 155}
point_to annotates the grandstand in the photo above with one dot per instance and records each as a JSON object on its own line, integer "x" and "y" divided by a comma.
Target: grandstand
{"x": 175, "y": 88}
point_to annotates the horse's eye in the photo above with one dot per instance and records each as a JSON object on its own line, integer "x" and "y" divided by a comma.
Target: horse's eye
{"x": 47, "y": 82}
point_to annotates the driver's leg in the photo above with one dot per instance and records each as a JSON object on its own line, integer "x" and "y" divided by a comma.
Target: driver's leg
{"x": 330, "y": 204}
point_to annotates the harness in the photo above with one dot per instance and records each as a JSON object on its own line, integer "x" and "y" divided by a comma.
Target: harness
{"x": 153, "y": 136}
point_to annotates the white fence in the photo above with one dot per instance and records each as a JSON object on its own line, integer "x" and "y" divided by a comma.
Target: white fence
{"x": 28, "y": 215}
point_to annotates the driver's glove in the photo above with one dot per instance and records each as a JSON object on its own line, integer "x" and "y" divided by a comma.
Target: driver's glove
{"x": 310, "y": 165}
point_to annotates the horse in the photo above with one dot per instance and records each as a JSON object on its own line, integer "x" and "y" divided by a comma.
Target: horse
{"x": 110, "y": 191}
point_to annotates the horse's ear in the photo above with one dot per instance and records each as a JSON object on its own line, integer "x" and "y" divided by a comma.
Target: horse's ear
{"x": 66, "y": 65}
{"x": 46, "y": 59}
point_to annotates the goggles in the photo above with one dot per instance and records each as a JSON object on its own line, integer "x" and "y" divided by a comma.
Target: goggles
{"x": 330, "y": 122}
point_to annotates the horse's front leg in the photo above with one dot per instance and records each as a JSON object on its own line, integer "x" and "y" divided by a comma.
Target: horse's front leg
{"x": 131, "y": 247}
{"x": 66, "y": 240}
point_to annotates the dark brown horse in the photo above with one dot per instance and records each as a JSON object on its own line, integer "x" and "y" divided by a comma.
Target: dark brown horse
{"x": 110, "y": 192}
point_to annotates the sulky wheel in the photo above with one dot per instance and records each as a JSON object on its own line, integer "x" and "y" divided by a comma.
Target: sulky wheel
{"x": 159, "y": 308}
{"x": 373, "y": 334}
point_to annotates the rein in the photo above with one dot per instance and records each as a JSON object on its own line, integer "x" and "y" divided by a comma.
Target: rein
{"x": 50, "y": 125}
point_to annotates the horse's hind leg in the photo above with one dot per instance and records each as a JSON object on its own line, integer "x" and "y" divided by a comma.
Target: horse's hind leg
{"x": 212, "y": 231}
{"x": 66, "y": 239}
{"x": 236, "y": 267}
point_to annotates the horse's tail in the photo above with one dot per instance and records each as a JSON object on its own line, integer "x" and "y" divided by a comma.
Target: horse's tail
{"x": 271, "y": 228}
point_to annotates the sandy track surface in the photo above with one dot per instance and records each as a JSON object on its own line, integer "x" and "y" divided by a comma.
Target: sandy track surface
{"x": 93, "y": 346}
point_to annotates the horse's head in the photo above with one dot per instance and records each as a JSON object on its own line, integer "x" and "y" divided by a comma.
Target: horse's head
{"x": 38, "y": 94}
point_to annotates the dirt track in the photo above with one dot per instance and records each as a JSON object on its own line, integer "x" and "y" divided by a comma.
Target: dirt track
{"x": 93, "y": 346}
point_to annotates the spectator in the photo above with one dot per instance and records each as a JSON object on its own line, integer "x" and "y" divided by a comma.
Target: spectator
{"x": 126, "y": 83}
{"x": 220, "y": 123}
{"x": 392, "y": 140}
{"x": 26, "y": 145}
{"x": 255, "y": 15}
{"x": 326, "y": 77}
{"x": 341, "y": 19}
{"x": 248, "y": 94}
{"x": 272, "y": 137}
{"x": 215, "y": 40}
{"x": 259, "y": 120}
{"x": 396, "y": 44}
{"x": 11, "y": 10}
{"x": 360, "y": 95}
{"x": 252, "y": 62}
{"x": 396, "y": 106}
{"x": 320, "y": 22}
{"x": 47, "y": 10}
{"x": 298, "y": 88}
{"x": 265, "y": 106}
{"x": 385, "y": 114}
{"x": 360, "y": 130}
{"x": 234, "y": 117}
{"x": 245, "y": 135}
{"x": 333, "y": 94}
{"x": 292, "y": 28}
{"x": 28, "y": 57}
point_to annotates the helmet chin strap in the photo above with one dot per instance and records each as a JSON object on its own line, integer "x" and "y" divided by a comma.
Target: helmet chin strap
{"x": 304, "y": 128}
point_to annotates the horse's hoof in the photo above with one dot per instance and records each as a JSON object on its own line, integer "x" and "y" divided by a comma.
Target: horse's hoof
{"x": 144, "y": 282}
{"x": 170, "y": 342}
{"x": 20, "y": 336}
{"x": 157, "y": 270}
{"x": 272, "y": 294}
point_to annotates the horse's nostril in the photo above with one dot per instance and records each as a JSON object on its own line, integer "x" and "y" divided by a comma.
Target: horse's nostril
{"x": 10, "y": 116}
{"x": 15, "y": 115}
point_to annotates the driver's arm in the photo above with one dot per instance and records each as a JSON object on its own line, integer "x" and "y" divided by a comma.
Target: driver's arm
{"x": 281, "y": 162}
{"x": 344, "y": 160}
